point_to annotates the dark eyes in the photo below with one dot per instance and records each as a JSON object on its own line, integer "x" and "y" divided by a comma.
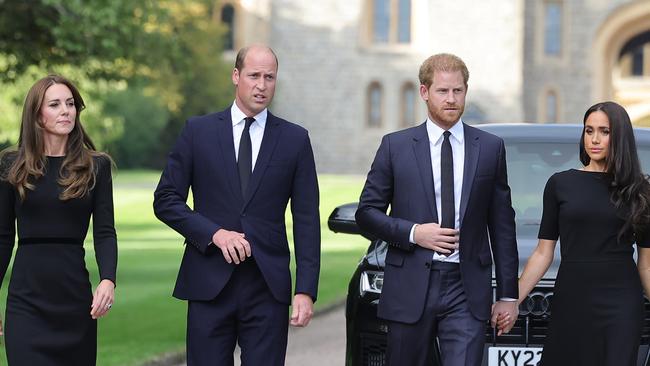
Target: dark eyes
{"x": 267, "y": 77}
{"x": 56, "y": 104}
{"x": 445, "y": 91}
{"x": 590, "y": 131}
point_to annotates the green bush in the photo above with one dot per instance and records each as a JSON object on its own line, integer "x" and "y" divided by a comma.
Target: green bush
{"x": 141, "y": 119}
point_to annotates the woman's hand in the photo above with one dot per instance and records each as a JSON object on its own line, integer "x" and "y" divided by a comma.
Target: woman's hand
{"x": 102, "y": 299}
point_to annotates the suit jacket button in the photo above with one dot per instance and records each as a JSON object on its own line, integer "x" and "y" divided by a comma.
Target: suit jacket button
{"x": 428, "y": 265}
{"x": 243, "y": 214}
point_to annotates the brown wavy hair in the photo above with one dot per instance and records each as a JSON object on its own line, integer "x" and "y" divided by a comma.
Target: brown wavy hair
{"x": 78, "y": 171}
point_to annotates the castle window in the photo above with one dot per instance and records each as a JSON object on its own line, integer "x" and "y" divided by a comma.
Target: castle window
{"x": 381, "y": 21}
{"x": 551, "y": 107}
{"x": 375, "y": 101}
{"x": 404, "y": 21}
{"x": 228, "y": 19}
{"x": 553, "y": 28}
{"x": 391, "y": 21}
{"x": 474, "y": 114}
{"x": 637, "y": 62}
{"x": 634, "y": 58}
{"x": 408, "y": 105}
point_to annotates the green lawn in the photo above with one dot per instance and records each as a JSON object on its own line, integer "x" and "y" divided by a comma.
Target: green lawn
{"x": 146, "y": 321}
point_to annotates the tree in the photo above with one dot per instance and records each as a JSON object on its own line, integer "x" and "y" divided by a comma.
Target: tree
{"x": 141, "y": 120}
{"x": 168, "y": 51}
{"x": 77, "y": 32}
{"x": 193, "y": 79}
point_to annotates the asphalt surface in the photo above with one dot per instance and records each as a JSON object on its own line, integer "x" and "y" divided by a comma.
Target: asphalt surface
{"x": 322, "y": 343}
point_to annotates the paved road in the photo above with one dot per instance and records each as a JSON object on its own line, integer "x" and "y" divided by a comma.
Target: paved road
{"x": 322, "y": 343}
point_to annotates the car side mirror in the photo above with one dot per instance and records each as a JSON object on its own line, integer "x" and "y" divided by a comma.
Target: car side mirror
{"x": 342, "y": 220}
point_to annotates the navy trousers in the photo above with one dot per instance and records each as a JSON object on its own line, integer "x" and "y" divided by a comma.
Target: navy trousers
{"x": 244, "y": 312}
{"x": 446, "y": 316}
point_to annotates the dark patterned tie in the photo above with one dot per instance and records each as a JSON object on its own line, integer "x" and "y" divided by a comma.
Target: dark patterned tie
{"x": 447, "y": 206}
{"x": 245, "y": 161}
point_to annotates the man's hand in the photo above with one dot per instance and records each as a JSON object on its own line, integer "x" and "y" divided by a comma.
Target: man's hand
{"x": 302, "y": 310}
{"x": 504, "y": 315}
{"x": 432, "y": 236}
{"x": 233, "y": 245}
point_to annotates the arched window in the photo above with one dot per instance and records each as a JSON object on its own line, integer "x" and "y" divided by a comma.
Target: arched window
{"x": 228, "y": 19}
{"x": 391, "y": 21}
{"x": 408, "y": 104}
{"x": 553, "y": 27}
{"x": 634, "y": 57}
{"x": 551, "y": 107}
{"x": 375, "y": 104}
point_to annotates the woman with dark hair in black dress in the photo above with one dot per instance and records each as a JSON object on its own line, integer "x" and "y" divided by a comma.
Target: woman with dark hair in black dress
{"x": 50, "y": 186}
{"x": 598, "y": 212}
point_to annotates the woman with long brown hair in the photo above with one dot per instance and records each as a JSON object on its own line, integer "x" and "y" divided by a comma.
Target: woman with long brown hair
{"x": 50, "y": 186}
{"x": 598, "y": 212}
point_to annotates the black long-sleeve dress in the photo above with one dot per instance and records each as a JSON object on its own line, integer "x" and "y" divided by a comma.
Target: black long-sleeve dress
{"x": 48, "y": 318}
{"x": 597, "y": 309}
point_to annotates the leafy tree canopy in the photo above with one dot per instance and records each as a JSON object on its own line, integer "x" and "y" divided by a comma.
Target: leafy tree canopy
{"x": 166, "y": 54}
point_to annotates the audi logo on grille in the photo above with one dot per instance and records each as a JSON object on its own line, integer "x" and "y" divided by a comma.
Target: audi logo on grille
{"x": 536, "y": 304}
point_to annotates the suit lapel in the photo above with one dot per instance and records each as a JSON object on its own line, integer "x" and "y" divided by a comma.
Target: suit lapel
{"x": 472, "y": 149}
{"x": 269, "y": 142}
{"x": 422, "y": 150}
{"x": 227, "y": 145}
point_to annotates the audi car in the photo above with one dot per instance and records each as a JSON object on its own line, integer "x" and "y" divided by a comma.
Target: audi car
{"x": 534, "y": 152}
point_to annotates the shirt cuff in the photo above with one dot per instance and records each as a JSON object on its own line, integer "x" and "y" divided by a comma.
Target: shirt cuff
{"x": 412, "y": 234}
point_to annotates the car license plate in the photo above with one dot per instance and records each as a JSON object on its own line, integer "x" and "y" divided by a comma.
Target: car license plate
{"x": 514, "y": 356}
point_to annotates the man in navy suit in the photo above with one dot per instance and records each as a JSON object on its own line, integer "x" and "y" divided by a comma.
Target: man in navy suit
{"x": 450, "y": 216}
{"x": 243, "y": 165}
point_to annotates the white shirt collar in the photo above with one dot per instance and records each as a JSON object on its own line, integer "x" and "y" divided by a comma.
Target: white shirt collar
{"x": 435, "y": 132}
{"x": 238, "y": 116}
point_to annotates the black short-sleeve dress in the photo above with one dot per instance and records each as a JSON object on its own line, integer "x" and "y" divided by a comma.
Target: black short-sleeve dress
{"x": 48, "y": 318}
{"x": 597, "y": 309}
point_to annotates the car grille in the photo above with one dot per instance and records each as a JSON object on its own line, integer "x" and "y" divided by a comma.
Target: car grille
{"x": 527, "y": 330}
{"x": 373, "y": 350}
{"x": 532, "y": 324}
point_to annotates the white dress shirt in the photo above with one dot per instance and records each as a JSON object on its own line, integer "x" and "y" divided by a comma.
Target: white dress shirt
{"x": 457, "y": 141}
{"x": 256, "y": 130}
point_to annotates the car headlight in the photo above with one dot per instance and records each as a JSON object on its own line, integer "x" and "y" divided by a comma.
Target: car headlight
{"x": 371, "y": 281}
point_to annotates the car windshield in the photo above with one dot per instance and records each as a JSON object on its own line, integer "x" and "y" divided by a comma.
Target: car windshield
{"x": 530, "y": 164}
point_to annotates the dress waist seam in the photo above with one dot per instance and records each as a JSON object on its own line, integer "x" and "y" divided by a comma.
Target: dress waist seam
{"x": 57, "y": 240}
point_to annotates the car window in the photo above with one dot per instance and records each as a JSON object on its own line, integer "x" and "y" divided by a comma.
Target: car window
{"x": 644, "y": 157}
{"x": 529, "y": 167}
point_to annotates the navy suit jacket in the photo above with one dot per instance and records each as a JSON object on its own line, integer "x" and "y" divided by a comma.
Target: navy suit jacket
{"x": 401, "y": 177}
{"x": 204, "y": 160}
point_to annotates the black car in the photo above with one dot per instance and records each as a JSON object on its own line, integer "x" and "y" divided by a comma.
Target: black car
{"x": 534, "y": 153}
